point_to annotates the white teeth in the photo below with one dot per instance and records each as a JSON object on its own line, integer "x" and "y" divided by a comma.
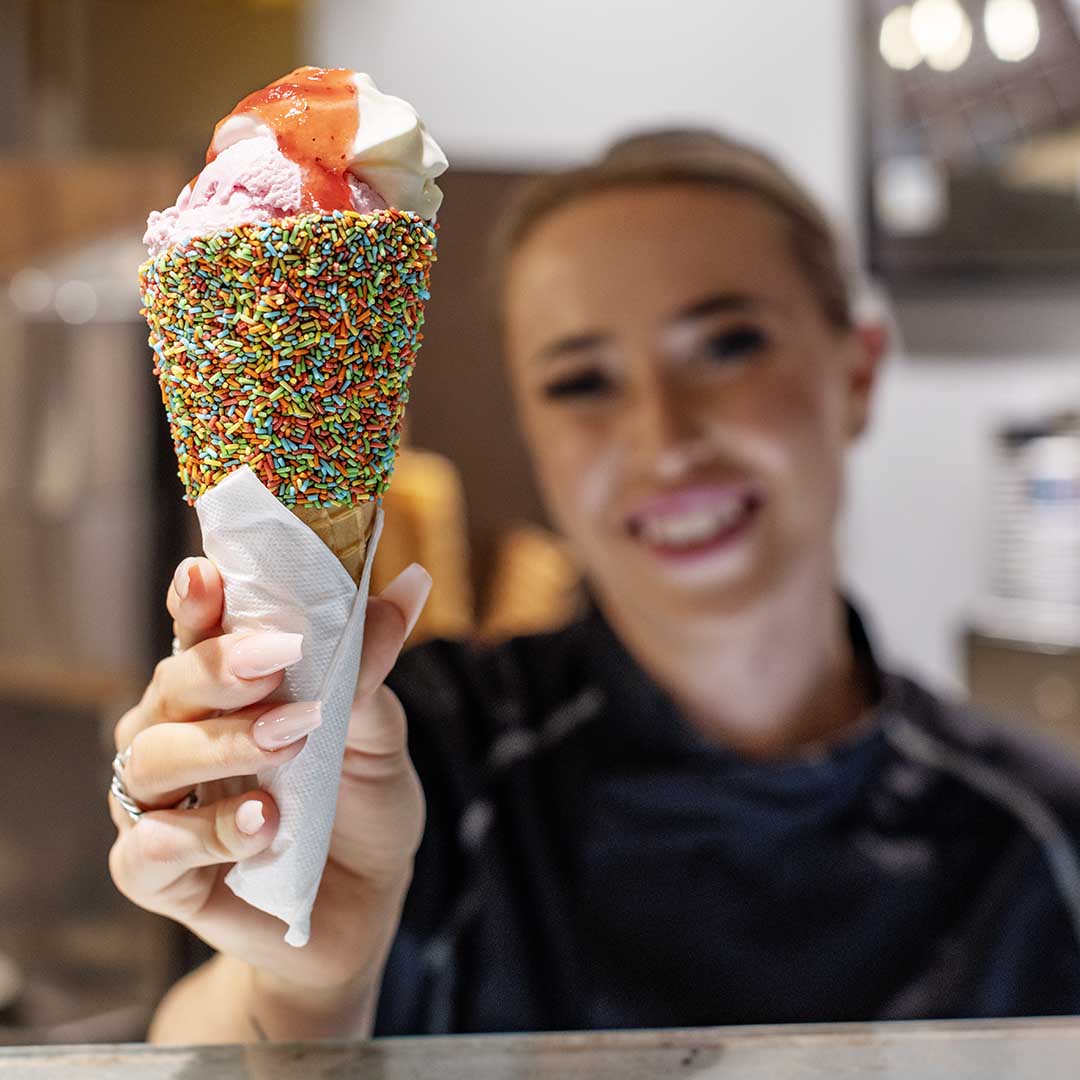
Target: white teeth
{"x": 693, "y": 527}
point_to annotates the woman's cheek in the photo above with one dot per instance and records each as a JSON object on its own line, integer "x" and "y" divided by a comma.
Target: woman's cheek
{"x": 598, "y": 479}
{"x": 807, "y": 459}
{"x": 580, "y": 473}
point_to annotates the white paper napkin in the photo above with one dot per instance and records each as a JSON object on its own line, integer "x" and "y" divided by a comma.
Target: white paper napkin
{"x": 279, "y": 575}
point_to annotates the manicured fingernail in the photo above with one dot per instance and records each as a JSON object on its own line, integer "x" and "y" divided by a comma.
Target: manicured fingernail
{"x": 284, "y": 724}
{"x": 250, "y": 817}
{"x": 409, "y": 592}
{"x": 255, "y": 655}
{"x": 182, "y": 578}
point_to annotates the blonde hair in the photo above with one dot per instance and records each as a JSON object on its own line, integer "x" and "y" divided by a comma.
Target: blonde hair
{"x": 685, "y": 156}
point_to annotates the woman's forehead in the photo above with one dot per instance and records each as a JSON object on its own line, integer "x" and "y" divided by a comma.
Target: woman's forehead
{"x": 646, "y": 252}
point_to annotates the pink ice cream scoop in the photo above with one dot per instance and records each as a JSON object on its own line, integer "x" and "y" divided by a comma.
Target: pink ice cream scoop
{"x": 251, "y": 180}
{"x": 314, "y": 141}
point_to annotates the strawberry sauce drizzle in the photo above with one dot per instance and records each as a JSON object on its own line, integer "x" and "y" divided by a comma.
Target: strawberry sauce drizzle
{"x": 312, "y": 111}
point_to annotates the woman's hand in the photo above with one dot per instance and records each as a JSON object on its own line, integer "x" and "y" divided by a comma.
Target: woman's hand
{"x": 200, "y": 722}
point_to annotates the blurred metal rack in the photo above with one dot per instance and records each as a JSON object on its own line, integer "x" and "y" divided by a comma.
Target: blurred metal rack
{"x": 93, "y": 526}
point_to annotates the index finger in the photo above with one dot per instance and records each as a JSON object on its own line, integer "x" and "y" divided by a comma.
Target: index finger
{"x": 195, "y": 600}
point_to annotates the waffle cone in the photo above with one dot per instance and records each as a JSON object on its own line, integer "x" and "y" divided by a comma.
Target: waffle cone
{"x": 345, "y": 530}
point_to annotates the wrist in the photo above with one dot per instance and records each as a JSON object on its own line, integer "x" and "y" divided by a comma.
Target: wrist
{"x": 280, "y": 1009}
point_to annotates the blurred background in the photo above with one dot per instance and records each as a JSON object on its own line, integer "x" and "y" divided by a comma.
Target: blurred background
{"x": 943, "y": 135}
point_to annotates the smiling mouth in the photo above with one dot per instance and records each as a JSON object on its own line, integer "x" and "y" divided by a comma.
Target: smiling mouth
{"x": 696, "y": 521}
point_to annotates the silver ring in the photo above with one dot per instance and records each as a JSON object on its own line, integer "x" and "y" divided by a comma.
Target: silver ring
{"x": 131, "y": 807}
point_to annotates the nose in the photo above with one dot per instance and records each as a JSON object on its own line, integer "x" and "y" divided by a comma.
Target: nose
{"x": 667, "y": 435}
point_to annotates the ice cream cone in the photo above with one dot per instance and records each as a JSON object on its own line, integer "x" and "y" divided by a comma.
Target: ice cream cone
{"x": 285, "y": 298}
{"x": 287, "y": 347}
{"x": 344, "y": 529}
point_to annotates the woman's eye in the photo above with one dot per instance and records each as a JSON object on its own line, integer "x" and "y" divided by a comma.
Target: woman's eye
{"x": 736, "y": 344}
{"x": 585, "y": 384}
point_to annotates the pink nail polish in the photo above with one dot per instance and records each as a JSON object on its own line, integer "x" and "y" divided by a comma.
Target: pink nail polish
{"x": 409, "y": 592}
{"x": 250, "y": 817}
{"x": 182, "y": 578}
{"x": 284, "y": 724}
{"x": 256, "y": 655}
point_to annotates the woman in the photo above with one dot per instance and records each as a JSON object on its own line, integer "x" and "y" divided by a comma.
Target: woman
{"x": 705, "y": 803}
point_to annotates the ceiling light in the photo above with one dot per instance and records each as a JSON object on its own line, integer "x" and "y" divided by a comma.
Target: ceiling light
{"x": 895, "y": 41}
{"x": 1012, "y": 29}
{"x": 911, "y": 195}
{"x": 942, "y": 31}
{"x": 76, "y": 302}
{"x": 31, "y": 290}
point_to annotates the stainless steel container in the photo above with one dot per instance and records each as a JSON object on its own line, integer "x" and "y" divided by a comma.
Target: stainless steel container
{"x": 1034, "y": 570}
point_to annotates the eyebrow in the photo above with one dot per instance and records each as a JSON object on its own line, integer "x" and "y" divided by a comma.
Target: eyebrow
{"x": 575, "y": 344}
{"x": 715, "y": 305}
{"x": 569, "y": 346}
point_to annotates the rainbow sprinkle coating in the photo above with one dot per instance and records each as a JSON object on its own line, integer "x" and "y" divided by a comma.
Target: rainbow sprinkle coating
{"x": 287, "y": 346}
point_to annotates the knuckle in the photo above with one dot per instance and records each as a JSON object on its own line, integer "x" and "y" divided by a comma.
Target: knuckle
{"x": 156, "y": 846}
{"x": 155, "y": 698}
{"x": 161, "y": 673}
{"x": 125, "y": 724}
{"x": 135, "y": 772}
{"x": 116, "y": 868}
{"x": 143, "y": 771}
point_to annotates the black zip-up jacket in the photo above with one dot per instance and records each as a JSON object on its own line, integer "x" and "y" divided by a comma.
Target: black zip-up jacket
{"x": 589, "y": 862}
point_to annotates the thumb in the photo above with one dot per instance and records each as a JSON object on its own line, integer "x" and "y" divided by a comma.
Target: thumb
{"x": 389, "y": 621}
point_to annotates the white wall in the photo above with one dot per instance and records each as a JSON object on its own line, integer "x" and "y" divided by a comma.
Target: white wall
{"x": 513, "y": 83}
{"x": 916, "y": 543}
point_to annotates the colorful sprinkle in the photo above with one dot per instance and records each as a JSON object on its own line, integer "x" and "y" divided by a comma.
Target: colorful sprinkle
{"x": 287, "y": 346}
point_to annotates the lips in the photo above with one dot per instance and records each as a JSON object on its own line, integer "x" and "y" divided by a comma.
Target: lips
{"x": 694, "y": 520}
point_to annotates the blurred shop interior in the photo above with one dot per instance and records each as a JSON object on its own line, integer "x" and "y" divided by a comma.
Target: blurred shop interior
{"x": 943, "y": 134}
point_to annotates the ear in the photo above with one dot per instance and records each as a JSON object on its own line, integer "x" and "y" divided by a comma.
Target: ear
{"x": 868, "y": 348}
